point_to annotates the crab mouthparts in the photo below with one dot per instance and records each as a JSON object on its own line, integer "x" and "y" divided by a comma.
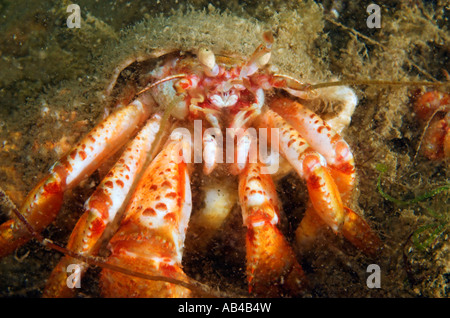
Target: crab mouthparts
{"x": 224, "y": 99}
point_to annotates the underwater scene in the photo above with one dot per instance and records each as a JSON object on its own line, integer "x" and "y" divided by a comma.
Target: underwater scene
{"x": 127, "y": 135}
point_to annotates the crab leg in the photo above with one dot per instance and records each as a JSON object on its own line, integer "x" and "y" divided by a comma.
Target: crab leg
{"x": 324, "y": 139}
{"x": 340, "y": 165}
{"x": 271, "y": 263}
{"x": 102, "y": 207}
{"x": 245, "y": 150}
{"x": 150, "y": 238}
{"x": 355, "y": 229}
{"x": 323, "y": 191}
{"x": 245, "y": 136}
{"x": 309, "y": 228}
{"x": 44, "y": 202}
{"x": 310, "y": 166}
{"x": 212, "y": 149}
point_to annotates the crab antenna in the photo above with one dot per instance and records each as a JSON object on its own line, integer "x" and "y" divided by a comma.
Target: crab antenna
{"x": 208, "y": 60}
{"x": 260, "y": 57}
{"x": 292, "y": 82}
{"x": 376, "y": 82}
{"x": 165, "y": 79}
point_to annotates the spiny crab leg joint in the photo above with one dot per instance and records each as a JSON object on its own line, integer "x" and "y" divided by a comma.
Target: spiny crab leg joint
{"x": 154, "y": 200}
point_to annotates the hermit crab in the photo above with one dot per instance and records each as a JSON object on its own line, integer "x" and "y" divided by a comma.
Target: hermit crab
{"x": 222, "y": 113}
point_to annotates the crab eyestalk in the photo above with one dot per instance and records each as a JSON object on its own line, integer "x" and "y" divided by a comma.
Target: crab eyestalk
{"x": 260, "y": 57}
{"x": 208, "y": 60}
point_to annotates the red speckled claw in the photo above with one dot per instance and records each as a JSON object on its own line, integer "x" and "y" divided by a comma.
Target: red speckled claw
{"x": 150, "y": 239}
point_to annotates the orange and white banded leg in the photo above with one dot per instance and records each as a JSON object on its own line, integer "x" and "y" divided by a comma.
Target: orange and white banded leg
{"x": 324, "y": 193}
{"x": 340, "y": 163}
{"x": 324, "y": 139}
{"x": 43, "y": 203}
{"x": 245, "y": 136}
{"x": 271, "y": 264}
{"x": 102, "y": 207}
{"x": 150, "y": 238}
